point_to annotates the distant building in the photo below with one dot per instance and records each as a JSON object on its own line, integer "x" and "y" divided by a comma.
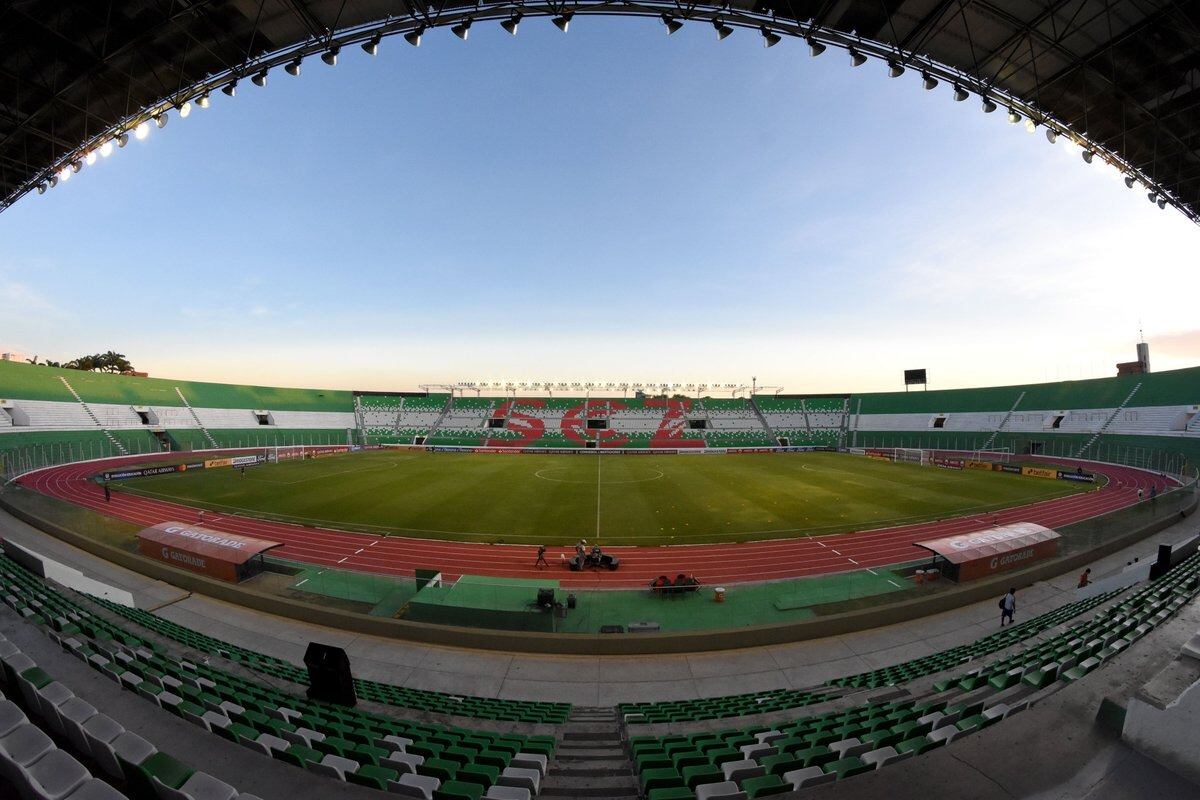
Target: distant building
{"x": 1139, "y": 367}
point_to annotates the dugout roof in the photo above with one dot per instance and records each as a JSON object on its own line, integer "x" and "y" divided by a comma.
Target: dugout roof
{"x": 1120, "y": 76}
{"x": 217, "y": 545}
{"x": 999, "y": 541}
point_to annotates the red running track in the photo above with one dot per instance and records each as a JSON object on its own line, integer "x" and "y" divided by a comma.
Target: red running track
{"x": 714, "y": 564}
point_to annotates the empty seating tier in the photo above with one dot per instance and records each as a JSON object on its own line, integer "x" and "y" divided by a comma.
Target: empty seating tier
{"x": 347, "y": 744}
{"x": 462, "y": 705}
{"x": 839, "y": 744}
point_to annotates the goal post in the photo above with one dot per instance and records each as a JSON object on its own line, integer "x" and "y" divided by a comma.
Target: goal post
{"x": 912, "y": 455}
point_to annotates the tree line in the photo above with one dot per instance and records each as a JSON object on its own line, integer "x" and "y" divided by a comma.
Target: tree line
{"x": 100, "y": 362}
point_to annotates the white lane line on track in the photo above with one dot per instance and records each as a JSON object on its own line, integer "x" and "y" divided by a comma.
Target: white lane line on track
{"x": 344, "y": 560}
{"x": 359, "y": 550}
{"x": 873, "y": 572}
{"x": 851, "y": 560}
{"x": 301, "y": 583}
{"x": 893, "y": 583}
{"x": 835, "y": 552}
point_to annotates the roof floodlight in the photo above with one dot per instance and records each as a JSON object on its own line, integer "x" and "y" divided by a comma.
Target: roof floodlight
{"x": 928, "y": 82}
{"x": 671, "y": 23}
{"x": 414, "y": 37}
{"x": 988, "y": 105}
{"x": 770, "y": 38}
{"x": 185, "y": 110}
{"x": 330, "y": 56}
{"x": 259, "y": 78}
{"x": 41, "y": 188}
{"x": 1129, "y": 181}
{"x": 160, "y": 120}
{"x": 371, "y": 46}
{"x": 142, "y": 130}
{"x": 1051, "y": 135}
{"x": 463, "y": 29}
{"x": 90, "y": 158}
{"x": 894, "y": 70}
{"x": 1162, "y": 202}
{"x": 1088, "y": 155}
{"x": 202, "y": 101}
{"x": 1013, "y": 116}
{"x": 1152, "y": 197}
{"x": 511, "y": 24}
{"x": 815, "y": 48}
{"x": 106, "y": 149}
{"x": 76, "y": 166}
{"x": 857, "y": 59}
{"x": 722, "y": 29}
{"x": 563, "y": 21}
{"x": 292, "y": 68}
{"x": 229, "y": 89}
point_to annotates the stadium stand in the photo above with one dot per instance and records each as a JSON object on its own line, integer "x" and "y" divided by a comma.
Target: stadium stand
{"x": 345, "y": 744}
{"x": 844, "y": 742}
{"x": 1146, "y": 420}
{"x": 479, "y": 707}
{"x": 763, "y": 702}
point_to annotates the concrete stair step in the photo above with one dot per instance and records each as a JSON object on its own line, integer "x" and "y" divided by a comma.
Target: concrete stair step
{"x": 620, "y": 771}
{"x": 612, "y": 793}
{"x": 589, "y": 736}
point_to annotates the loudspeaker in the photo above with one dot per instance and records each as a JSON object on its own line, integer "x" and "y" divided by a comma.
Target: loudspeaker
{"x": 545, "y": 599}
{"x": 329, "y": 677}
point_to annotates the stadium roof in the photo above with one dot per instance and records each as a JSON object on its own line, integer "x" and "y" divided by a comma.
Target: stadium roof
{"x": 1120, "y": 77}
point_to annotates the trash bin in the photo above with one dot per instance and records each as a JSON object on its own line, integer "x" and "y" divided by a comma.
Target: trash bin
{"x": 719, "y": 594}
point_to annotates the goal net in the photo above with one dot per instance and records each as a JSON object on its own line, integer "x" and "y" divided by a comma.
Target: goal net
{"x": 912, "y": 455}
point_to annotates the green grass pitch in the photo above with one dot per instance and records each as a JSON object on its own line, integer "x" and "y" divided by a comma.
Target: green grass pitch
{"x": 627, "y": 499}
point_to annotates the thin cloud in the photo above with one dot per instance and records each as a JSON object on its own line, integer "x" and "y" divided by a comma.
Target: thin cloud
{"x": 17, "y": 297}
{"x": 1185, "y": 344}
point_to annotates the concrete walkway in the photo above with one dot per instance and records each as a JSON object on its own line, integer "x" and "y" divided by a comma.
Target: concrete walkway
{"x": 582, "y": 680}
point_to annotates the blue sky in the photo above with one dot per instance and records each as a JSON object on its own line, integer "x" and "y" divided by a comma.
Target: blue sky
{"x": 608, "y": 204}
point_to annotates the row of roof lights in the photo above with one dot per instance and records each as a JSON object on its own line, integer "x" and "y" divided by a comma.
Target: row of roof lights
{"x": 562, "y": 22}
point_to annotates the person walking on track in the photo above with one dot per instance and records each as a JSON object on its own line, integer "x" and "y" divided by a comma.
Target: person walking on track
{"x": 541, "y": 557}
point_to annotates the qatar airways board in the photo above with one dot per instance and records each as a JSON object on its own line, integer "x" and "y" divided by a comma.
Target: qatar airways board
{"x": 969, "y": 556}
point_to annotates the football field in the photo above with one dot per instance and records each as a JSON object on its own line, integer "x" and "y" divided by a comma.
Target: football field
{"x": 616, "y": 499}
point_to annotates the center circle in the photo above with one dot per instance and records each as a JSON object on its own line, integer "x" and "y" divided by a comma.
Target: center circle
{"x": 592, "y": 480}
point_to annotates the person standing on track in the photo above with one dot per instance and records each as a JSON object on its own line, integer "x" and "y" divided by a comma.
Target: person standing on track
{"x": 541, "y": 557}
{"x": 1008, "y": 606}
{"x": 1140, "y": 494}
{"x": 1085, "y": 578}
{"x": 107, "y": 492}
